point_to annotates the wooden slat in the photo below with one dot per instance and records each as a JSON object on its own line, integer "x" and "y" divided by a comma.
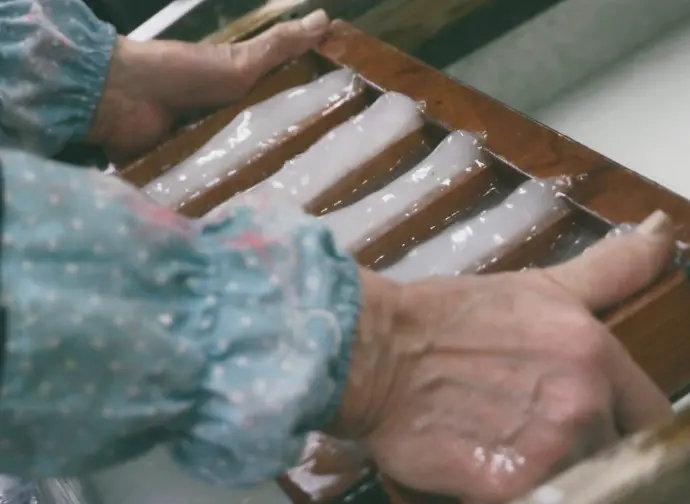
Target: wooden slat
{"x": 439, "y": 35}
{"x": 652, "y": 467}
{"x": 542, "y": 248}
{"x": 654, "y": 326}
{"x": 404, "y": 23}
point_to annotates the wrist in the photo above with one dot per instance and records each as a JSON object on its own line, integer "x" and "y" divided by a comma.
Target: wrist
{"x": 375, "y": 357}
{"x": 148, "y": 84}
{"x": 127, "y": 108}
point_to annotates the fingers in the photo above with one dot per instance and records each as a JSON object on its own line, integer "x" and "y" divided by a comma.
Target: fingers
{"x": 279, "y": 44}
{"x": 638, "y": 402}
{"x": 616, "y": 268}
{"x": 609, "y": 272}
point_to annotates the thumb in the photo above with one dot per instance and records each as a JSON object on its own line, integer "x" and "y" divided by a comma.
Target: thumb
{"x": 281, "y": 43}
{"x": 616, "y": 268}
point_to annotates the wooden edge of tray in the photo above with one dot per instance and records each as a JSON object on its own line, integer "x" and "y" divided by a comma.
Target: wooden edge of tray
{"x": 405, "y": 23}
{"x": 651, "y": 467}
{"x": 615, "y": 192}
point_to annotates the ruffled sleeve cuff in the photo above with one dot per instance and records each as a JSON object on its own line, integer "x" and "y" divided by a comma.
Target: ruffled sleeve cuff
{"x": 54, "y": 60}
{"x": 129, "y": 325}
{"x": 278, "y": 342}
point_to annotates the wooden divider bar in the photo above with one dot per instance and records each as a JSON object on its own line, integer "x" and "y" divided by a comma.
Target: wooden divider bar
{"x": 651, "y": 467}
{"x": 653, "y": 341}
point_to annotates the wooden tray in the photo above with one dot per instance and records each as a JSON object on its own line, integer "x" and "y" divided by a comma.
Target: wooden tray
{"x": 652, "y": 325}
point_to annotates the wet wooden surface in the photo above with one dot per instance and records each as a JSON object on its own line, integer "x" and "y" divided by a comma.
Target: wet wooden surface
{"x": 441, "y": 32}
{"x": 652, "y": 467}
{"x": 407, "y": 24}
{"x": 653, "y": 325}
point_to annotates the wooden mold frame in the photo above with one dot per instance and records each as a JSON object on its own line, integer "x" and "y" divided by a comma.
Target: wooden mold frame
{"x": 652, "y": 325}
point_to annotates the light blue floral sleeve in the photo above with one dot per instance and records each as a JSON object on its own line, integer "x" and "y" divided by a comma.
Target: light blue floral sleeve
{"x": 127, "y": 326}
{"x": 54, "y": 57}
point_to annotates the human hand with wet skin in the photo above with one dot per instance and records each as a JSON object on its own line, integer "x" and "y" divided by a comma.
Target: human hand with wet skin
{"x": 476, "y": 386}
{"x": 481, "y": 387}
{"x": 151, "y": 84}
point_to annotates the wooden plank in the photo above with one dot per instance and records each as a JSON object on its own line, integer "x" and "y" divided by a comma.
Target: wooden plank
{"x": 407, "y": 23}
{"x": 649, "y": 468}
{"x": 410, "y": 25}
{"x": 257, "y": 19}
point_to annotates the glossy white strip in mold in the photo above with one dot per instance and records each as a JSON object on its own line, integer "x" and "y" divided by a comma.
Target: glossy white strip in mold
{"x": 251, "y": 132}
{"x": 459, "y": 152}
{"x": 343, "y": 149}
{"x": 468, "y": 245}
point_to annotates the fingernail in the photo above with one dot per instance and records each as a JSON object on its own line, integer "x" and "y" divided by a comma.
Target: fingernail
{"x": 317, "y": 21}
{"x": 658, "y": 223}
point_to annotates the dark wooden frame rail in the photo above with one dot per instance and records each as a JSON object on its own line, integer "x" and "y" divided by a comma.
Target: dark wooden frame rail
{"x": 650, "y": 467}
{"x": 438, "y": 34}
{"x": 652, "y": 326}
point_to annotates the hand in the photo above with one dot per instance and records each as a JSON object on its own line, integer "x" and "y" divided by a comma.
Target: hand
{"x": 150, "y": 84}
{"x": 481, "y": 387}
